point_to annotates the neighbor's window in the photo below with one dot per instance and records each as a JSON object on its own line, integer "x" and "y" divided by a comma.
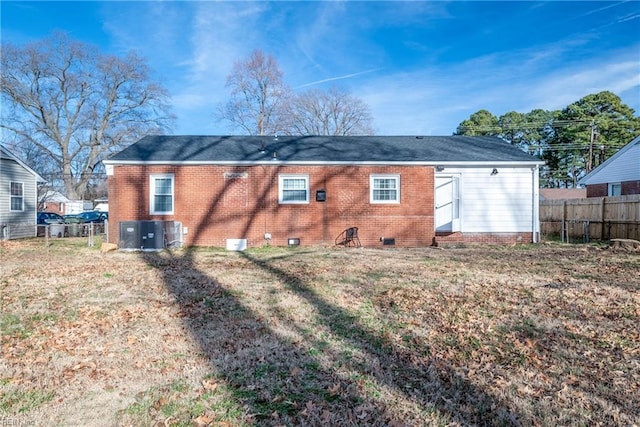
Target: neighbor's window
{"x": 293, "y": 189}
{"x": 615, "y": 189}
{"x": 17, "y": 196}
{"x": 162, "y": 194}
{"x": 385, "y": 188}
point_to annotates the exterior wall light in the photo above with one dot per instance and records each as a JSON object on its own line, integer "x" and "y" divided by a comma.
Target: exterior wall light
{"x": 494, "y": 171}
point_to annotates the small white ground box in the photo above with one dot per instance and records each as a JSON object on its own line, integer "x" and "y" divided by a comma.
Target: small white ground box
{"x": 236, "y": 244}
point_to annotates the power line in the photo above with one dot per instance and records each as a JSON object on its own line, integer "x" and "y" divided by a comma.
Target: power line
{"x": 528, "y": 125}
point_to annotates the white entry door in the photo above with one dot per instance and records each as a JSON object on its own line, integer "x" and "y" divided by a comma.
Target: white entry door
{"x": 447, "y": 215}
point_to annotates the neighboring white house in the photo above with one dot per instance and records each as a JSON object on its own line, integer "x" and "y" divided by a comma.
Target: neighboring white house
{"x": 54, "y": 201}
{"x": 76, "y": 206}
{"x": 18, "y": 197}
{"x": 618, "y": 176}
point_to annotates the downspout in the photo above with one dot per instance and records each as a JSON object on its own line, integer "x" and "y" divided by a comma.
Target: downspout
{"x": 266, "y": 208}
{"x": 325, "y": 220}
{"x": 35, "y": 183}
{"x": 535, "y": 203}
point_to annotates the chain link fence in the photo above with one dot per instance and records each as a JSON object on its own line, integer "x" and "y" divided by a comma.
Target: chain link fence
{"x": 47, "y": 232}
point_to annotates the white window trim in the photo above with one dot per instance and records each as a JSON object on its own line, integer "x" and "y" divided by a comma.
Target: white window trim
{"x": 11, "y": 196}
{"x": 281, "y": 179}
{"x": 152, "y": 193}
{"x": 611, "y": 186}
{"x": 372, "y": 179}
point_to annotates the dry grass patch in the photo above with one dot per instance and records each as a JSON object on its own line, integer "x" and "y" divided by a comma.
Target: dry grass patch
{"x": 543, "y": 335}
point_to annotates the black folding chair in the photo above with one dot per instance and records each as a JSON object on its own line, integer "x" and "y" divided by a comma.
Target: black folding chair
{"x": 349, "y": 237}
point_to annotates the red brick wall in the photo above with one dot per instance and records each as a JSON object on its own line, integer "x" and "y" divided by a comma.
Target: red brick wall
{"x": 55, "y": 207}
{"x": 484, "y": 238}
{"x": 630, "y": 187}
{"x": 220, "y": 202}
{"x": 602, "y": 190}
{"x": 597, "y": 190}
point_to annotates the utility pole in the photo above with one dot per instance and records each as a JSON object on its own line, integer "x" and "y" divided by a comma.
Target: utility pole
{"x": 591, "y": 139}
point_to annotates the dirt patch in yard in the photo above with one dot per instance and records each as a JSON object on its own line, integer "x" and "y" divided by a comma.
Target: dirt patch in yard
{"x": 524, "y": 335}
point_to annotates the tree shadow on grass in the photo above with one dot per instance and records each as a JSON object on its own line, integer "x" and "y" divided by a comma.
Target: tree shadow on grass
{"x": 283, "y": 373}
{"x": 277, "y": 366}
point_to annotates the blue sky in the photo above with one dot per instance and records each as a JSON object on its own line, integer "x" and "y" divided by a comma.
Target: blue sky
{"x": 422, "y": 67}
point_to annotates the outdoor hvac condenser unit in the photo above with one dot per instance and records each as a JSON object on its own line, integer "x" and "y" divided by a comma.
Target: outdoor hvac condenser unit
{"x": 173, "y": 234}
{"x": 152, "y": 234}
{"x": 144, "y": 235}
{"x": 129, "y": 235}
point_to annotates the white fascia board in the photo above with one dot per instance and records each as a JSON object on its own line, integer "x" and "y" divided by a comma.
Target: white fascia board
{"x": 324, "y": 163}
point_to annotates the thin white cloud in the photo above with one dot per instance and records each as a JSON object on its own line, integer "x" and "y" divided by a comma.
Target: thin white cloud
{"x": 215, "y": 36}
{"x": 315, "y": 44}
{"x": 629, "y": 18}
{"x": 436, "y": 100}
{"x": 315, "y": 41}
{"x": 615, "y": 74}
{"x": 600, "y": 9}
{"x": 332, "y": 79}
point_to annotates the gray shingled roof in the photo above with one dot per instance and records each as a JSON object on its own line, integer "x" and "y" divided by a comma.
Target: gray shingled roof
{"x": 320, "y": 149}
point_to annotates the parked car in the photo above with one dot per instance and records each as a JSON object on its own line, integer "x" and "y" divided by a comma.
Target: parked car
{"x": 79, "y": 223}
{"x": 86, "y": 217}
{"x": 45, "y": 218}
{"x": 73, "y": 219}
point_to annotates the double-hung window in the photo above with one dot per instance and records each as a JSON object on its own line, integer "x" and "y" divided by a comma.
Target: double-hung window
{"x": 614, "y": 189}
{"x": 293, "y": 189}
{"x": 385, "y": 188}
{"x": 162, "y": 194}
{"x": 17, "y": 196}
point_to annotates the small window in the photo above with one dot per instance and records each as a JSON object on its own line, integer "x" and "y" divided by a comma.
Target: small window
{"x": 293, "y": 189}
{"x": 385, "y": 188}
{"x": 615, "y": 189}
{"x": 17, "y": 196}
{"x": 161, "y": 194}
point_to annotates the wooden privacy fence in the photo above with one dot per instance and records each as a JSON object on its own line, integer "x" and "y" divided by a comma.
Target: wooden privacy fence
{"x": 600, "y": 218}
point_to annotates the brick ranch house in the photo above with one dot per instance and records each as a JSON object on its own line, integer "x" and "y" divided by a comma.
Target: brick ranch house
{"x": 403, "y": 190}
{"x": 619, "y": 175}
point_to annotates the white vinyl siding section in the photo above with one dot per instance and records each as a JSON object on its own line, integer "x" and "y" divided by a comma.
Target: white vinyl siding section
{"x": 162, "y": 194}
{"x": 501, "y": 203}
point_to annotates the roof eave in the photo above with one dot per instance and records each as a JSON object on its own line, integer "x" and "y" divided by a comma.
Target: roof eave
{"x": 324, "y": 163}
{"x": 24, "y": 165}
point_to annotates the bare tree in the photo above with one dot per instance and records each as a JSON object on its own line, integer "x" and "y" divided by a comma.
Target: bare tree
{"x": 78, "y": 105}
{"x": 257, "y": 95}
{"x": 334, "y": 112}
